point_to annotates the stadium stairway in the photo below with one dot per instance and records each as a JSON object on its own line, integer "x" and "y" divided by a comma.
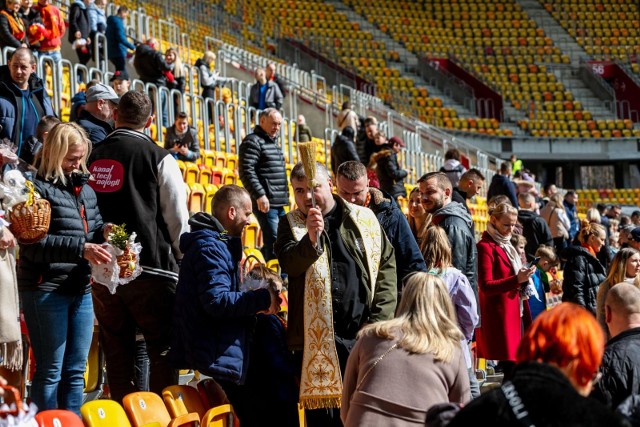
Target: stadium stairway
{"x": 577, "y": 55}
{"x": 408, "y": 61}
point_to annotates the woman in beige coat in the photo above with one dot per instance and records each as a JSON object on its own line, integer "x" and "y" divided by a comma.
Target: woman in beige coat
{"x": 400, "y": 368}
{"x": 555, "y": 215}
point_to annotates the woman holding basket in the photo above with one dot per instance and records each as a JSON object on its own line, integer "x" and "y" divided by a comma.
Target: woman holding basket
{"x": 54, "y": 273}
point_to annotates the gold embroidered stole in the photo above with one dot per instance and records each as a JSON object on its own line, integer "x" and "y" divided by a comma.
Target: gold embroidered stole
{"x": 321, "y": 379}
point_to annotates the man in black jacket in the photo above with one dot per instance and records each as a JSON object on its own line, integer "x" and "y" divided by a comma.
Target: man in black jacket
{"x": 621, "y": 362}
{"x": 353, "y": 186}
{"x": 501, "y": 184}
{"x": 271, "y": 75}
{"x": 469, "y": 185}
{"x": 534, "y": 228}
{"x": 139, "y": 184}
{"x": 263, "y": 173}
{"x": 151, "y": 68}
{"x": 102, "y": 100}
{"x": 435, "y": 195}
{"x": 343, "y": 149}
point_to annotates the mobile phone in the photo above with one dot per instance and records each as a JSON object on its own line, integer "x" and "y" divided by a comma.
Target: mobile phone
{"x": 533, "y": 262}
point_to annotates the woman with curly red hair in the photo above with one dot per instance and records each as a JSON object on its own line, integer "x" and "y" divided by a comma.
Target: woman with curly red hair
{"x": 557, "y": 365}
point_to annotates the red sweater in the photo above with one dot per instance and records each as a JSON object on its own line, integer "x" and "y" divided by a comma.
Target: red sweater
{"x": 54, "y": 28}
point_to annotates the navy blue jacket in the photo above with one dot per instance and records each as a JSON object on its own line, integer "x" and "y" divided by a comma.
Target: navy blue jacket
{"x": 12, "y": 108}
{"x": 501, "y": 184}
{"x": 117, "y": 43}
{"x": 56, "y": 262}
{"x": 409, "y": 259}
{"x": 97, "y": 130}
{"x": 213, "y": 321}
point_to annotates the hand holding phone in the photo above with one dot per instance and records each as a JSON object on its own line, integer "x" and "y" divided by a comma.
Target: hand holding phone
{"x": 533, "y": 262}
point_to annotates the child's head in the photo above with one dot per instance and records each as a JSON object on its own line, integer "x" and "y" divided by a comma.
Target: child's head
{"x": 548, "y": 257}
{"x": 44, "y": 127}
{"x": 261, "y": 272}
{"x": 436, "y": 248}
{"x": 518, "y": 241}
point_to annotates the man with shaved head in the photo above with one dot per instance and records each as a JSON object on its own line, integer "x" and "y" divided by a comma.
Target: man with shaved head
{"x": 534, "y": 227}
{"x": 620, "y": 367}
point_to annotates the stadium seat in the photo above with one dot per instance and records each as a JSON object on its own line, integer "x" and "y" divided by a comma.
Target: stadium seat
{"x": 144, "y": 407}
{"x": 182, "y": 400}
{"x": 58, "y": 418}
{"x": 104, "y": 413}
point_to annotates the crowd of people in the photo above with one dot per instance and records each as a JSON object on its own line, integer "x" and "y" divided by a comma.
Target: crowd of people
{"x": 376, "y": 299}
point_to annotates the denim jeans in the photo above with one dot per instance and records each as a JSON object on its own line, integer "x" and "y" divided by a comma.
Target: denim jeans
{"x": 60, "y": 328}
{"x": 55, "y": 55}
{"x": 269, "y": 226}
{"x": 146, "y": 303}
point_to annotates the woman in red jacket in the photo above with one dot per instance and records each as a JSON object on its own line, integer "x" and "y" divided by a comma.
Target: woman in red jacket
{"x": 501, "y": 278}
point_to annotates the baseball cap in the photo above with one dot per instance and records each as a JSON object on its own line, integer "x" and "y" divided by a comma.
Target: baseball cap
{"x": 102, "y": 91}
{"x": 120, "y": 75}
{"x": 635, "y": 234}
{"x": 396, "y": 140}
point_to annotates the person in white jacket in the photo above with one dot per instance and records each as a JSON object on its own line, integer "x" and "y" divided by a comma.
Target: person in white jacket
{"x": 555, "y": 215}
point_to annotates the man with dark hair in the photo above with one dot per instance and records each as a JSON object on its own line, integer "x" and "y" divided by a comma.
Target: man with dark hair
{"x": 263, "y": 173}
{"x": 102, "y": 100}
{"x": 470, "y": 184}
{"x": 366, "y": 145}
{"x": 452, "y": 166}
{"x": 117, "y": 43}
{"x": 343, "y": 149}
{"x": 502, "y": 185}
{"x": 213, "y": 319}
{"x": 620, "y": 368}
{"x": 139, "y": 184}
{"x": 23, "y": 100}
{"x": 570, "y": 200}
{"x": 353, "y": 186}
{"x": 435, "y": 195}
{"x": 342, "y": 276}
{"x": 182, "y": 140}
{"x": 635, "y": 218}
{"x": 534, "y": 228}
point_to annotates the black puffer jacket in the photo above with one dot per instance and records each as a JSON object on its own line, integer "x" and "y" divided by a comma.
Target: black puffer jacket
{"x": 583, "y": 274}
{"x": 620, "y": 369}
{"x": 56, "y": 263}
{"x": 390, "y": 175}
{"x": 150, "y": 65}
{"x": 262, "y": 168}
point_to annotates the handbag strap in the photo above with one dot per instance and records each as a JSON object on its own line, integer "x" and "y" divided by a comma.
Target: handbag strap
{"x": 516, "y": 404}
{"x": 373, "y": 365}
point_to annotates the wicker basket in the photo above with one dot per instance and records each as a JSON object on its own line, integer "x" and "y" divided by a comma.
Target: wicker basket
{"x": 30, "y": 223}
{"x": 124, "y": 262}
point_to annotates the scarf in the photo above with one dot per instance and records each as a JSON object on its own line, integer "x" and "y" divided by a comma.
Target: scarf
{"x": 16, "y": 24}
{"x": 10, "y": 338}
{"x": 516, "y": 262}
{"x": 321, "y": 379}
{"x": 589, "y": 249}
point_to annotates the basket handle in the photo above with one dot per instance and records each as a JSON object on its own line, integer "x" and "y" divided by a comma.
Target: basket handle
{"x": 16, "y": 398}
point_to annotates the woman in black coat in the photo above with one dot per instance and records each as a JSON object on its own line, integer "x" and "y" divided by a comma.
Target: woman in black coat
{"x": 54, "y": 273}
{"x": 583, "y": 273}
{"x": 13, "y": 30}
{"x": 390, "y": 174}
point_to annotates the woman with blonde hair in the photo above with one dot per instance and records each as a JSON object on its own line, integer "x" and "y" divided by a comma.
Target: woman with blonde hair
{"x": 583, "y": 273}
{"x": 437, "y": 255}
{"x": 421, "y": 347}
{"x": 557, "y": 366}
{"x": 54, "y": 273}
{"x": 624, "y": 268}
{"x": 502, "y": 283}
{"x": 172, "y": 58}
{"x": 419, "y": 219}
{"x": 555, "y": 214}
